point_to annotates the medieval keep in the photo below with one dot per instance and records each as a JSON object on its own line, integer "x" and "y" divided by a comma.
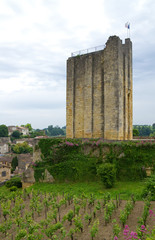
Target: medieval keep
{"x": 99, "y": 92}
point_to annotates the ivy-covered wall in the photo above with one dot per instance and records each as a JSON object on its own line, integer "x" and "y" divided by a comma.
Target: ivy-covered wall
{"x": 78, "y": 160}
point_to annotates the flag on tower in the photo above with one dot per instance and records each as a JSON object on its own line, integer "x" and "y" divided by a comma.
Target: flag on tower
{"x": 127, "y": 25}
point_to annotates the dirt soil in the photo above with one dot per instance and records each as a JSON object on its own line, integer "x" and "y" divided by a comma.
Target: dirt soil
{"x": 105, "y": 230}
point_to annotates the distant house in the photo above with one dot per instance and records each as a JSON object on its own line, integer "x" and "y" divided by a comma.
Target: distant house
{"x": 4, "y": 147}
{"x": 5, "y": 167}
{"x": 23, "y": 130}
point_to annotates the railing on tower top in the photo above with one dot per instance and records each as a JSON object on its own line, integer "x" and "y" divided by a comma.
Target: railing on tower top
{"x": 89, "y": 50}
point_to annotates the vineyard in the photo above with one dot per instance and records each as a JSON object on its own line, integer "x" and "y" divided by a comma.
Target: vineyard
{"x": 33, "y": 215}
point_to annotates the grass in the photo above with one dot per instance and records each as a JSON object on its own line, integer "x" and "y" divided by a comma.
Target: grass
{"x": 124, "y": 188}
{"x": 5, "y": 192}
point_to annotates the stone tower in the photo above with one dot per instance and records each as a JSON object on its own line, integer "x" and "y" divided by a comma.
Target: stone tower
{"x": 99, "y": 93}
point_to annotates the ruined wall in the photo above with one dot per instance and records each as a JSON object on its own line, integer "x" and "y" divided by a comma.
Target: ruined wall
{"x": 5, "y": 173}
{"x": 99, "y": 93}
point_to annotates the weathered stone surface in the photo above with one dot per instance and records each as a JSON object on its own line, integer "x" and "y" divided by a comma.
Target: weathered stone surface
{"x": 28, "y": 176}
{"x": 99, "y": 93}
{"x": 36, "y": 155}
{"x": 48, "y": 178}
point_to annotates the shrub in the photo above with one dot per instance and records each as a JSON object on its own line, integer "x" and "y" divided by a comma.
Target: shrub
{"x": 149, "y": 188}
{"x": 14, "y": 182}
{"x": 22, "y": 148}
{"x": 16, "y": 134}
{"x": 13, "y": 189}
{"x": 107, "y": 173}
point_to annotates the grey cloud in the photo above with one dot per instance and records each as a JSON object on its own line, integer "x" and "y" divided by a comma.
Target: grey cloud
{"x": 34, "y": 100}
{"x": 34, "y": 59}
{"x": 48, "y": 67}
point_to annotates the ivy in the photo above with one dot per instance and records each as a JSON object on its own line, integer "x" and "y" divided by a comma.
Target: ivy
{"x": 79, "y": 159}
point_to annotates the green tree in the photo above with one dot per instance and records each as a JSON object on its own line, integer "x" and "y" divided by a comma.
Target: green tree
{"x": 135, "y": 132}
{"x": 37, "y": 132}
{"x": 14, "y": 163}
{"x": 152, "y": 134}
{"x": 28, "y": 125}
{"x": 3, "y": 131}
{"x": 22, "y": 148}
{"x": 54, "y": 131}
{"x": 16, "y": 134}
{"x": 144, "y": 130}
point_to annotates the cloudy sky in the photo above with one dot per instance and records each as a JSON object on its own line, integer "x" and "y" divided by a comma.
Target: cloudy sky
{"x": 37, "y": 37}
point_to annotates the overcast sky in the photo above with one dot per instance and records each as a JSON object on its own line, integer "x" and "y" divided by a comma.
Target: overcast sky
{"x": 37, "y": 37}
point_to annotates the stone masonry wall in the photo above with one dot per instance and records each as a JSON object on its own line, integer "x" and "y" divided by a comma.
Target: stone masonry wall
{"x": 99, "y": 93}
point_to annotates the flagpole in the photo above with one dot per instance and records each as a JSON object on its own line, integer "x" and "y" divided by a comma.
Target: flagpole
{"x": 127, "y": 25}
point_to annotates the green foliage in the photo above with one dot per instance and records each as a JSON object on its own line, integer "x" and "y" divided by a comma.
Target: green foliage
{"x": 5, "y": 227}
{"x": 64, "y": 162}
{"x": 88, "y": 218}
{"x": 69, "y": 216}
{"x": 52, "y": 229}
{"x": 136, "y": 155}
{"x": 37, "y": 132}
{"x": 46, "y": 144}
{"x": 152, "y": 134}
{"x": 22, "y": 148}
{"x": 16, "y": 181}
{"x": 125, "y": 212}
{"x": 135, "y": 132}
{"x": 16, "y": 134}
{"x": 78, "y": 224}
{"x": 28, "y": 125}
{"x": 107, "y": 173}
{"x": 21, "y": 234}
{"x": 94, "y": 229}
{"x": 123, "y": 217}
{"x": 54, "y": 131}
{"x": 76, "y": 159}
{"x": 152, "y": 235}
{"x": 13, "y": 189}
{"x": 144, "y": 130}
{"x": 14, "y": 163}
{"x": 149, "y": 188}
{"x": 71, "y": 233}
{"x": 3, "y": 131}
{"x": 116, "y": 228}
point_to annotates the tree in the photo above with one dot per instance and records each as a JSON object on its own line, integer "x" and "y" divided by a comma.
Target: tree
{"x": 144, "y": 130}
{"x": 28, "y": 125}
{"x": 135, "y": 132}
{"x": 153, "y": 126}
{"x": 37, "y": 132}
{"x": 16, "y": 134}
{"x": 14, "y": 163}
{"x": 3, "y": 131}
{"x": 54, "y": 131}
{"x": 22, "y": 148}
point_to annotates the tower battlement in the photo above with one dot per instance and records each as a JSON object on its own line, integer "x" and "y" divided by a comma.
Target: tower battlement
{"x": 99, "y": 92}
